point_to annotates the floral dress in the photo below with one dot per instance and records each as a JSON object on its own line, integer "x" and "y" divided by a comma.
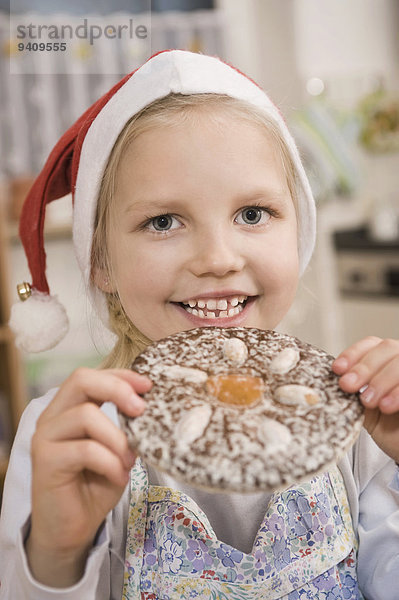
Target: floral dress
{"x": 305, "y": 547}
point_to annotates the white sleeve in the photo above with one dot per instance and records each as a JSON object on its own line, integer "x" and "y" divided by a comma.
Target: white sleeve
{"x": 376, "y": 478}
{"x": 16, "y": 580}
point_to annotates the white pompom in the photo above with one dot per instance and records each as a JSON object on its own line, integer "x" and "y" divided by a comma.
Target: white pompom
{"x": 39, "y": 323}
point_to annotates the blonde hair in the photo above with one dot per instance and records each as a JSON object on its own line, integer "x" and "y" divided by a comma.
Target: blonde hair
{"x": 168, "y": 111}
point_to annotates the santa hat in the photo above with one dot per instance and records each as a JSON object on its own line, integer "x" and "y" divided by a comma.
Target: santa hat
{"x": 77, "y": 164}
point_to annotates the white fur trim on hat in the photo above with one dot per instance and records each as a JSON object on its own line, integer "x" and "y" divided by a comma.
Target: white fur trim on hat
{"x": 39, "y": 322}
{"x": 181, "y": 72}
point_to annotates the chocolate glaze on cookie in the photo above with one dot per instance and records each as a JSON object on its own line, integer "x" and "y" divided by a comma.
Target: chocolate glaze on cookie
{"x": 241, "y": 409}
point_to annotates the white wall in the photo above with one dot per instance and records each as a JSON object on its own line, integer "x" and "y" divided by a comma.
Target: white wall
{"x": 260, "y": 41}
{"x": 352, "y": 38}
{"x": 282, "y": 43}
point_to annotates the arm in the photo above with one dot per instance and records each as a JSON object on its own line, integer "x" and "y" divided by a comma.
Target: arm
{"x": 374, "y": 363}
{"x": 376, "y": 519}
{"x": 80, "y": 464}
{"x": 16, "y": 579}
{"x": 21, "y": 576}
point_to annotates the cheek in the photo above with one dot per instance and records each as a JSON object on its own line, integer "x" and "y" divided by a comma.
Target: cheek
{"x": 143, "y": 271}
{"x": 283, "y": 276}
{"x": 281, "y": 271}
{"x": 281, "y": 252}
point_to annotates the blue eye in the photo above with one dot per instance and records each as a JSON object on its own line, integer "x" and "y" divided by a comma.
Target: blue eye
{"x": 253, "y": 215}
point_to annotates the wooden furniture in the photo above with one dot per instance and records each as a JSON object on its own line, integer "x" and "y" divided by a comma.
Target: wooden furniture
{"x": 12, "y": 385}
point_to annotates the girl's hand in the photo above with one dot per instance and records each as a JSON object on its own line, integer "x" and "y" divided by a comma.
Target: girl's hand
{"x": 374, "y": 363}
{"x": 80, "y": 467}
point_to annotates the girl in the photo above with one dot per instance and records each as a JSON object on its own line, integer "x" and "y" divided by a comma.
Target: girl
{"x": 188, "y": 189}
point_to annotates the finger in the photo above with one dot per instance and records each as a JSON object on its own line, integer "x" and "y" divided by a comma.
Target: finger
{"x": 383, "y": 388}
{"x": 383, "y": 379}
{"x": 353, "y": 354}
{"x": 141, "y": 383}
{"x": 64, "y": 460}
{"x": 371, "y": 370}
{"x": 88, "y": 421}
{"x": 122, "y": 387}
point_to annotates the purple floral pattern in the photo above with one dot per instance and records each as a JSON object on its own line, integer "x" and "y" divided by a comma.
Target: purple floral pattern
{"x": 304, "y": 549}
{"x": 197, "y": 553}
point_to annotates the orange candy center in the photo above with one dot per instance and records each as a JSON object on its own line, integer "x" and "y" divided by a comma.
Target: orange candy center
{"x": 236, "y": 390}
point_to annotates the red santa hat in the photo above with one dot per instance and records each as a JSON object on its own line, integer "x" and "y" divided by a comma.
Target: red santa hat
{"x": 77, "y": 163}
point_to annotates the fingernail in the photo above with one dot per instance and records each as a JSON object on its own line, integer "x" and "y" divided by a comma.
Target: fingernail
{"x": 367, "y": 395}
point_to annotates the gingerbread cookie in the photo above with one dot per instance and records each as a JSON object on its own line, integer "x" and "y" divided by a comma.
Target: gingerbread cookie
{"x": 241, "y": 409}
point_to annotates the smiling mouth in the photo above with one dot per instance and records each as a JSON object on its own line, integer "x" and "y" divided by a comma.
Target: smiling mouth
{"x": 215, "y": 308}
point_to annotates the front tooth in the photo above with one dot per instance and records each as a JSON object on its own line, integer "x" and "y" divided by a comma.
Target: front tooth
{"x": 211, "y": 315}
{"x": 211, "y": 304}
{"x": 234, "y": 301}
{"x": 223, "y": 313}
{"x": 201, "y": 313}
{"x": 221, "y": 305}
{"x": 201, "y": 304}
{"x": 192, "y": 303}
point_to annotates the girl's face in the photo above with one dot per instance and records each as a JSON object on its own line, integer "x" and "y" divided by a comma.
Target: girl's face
{"x": 204, "y": 229}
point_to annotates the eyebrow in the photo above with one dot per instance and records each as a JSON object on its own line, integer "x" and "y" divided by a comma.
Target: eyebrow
{"x": 161, "y": 206}
{"x": 272, "y": 194}
{"x": 170, "y": 203}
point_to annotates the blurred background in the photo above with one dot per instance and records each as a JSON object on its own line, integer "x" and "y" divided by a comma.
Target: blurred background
{"x": 333, "y": 67}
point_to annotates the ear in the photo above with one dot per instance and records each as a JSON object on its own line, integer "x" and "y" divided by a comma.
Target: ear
{"x": 102, "y": 280}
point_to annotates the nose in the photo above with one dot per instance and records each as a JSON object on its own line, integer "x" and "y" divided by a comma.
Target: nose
{"x": 216, "y": 253}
